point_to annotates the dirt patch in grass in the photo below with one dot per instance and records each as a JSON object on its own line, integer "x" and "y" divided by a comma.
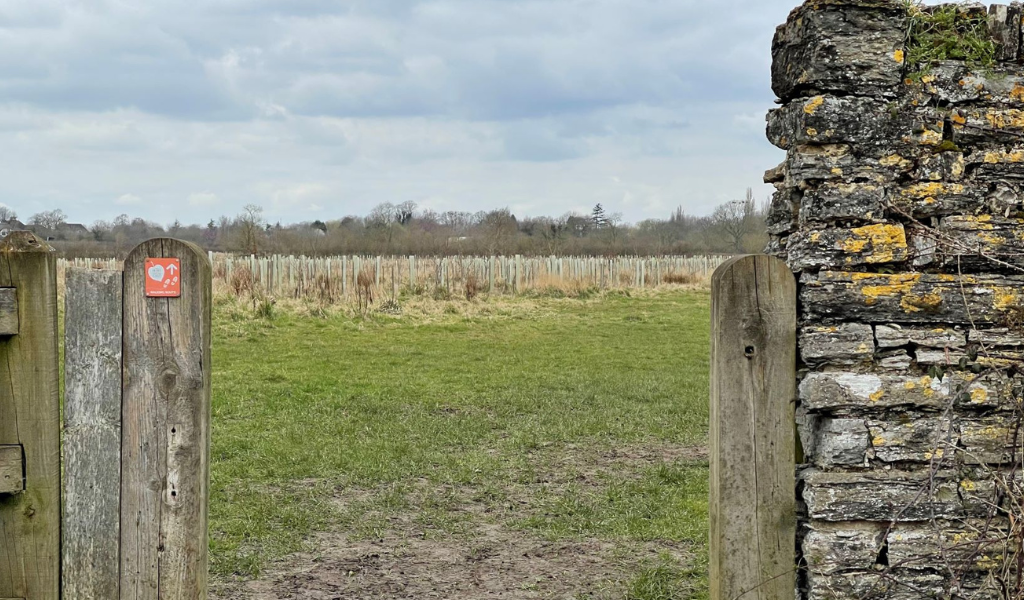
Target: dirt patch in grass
{"x": 492, "y": 563}
{"x": 426, "y": 539}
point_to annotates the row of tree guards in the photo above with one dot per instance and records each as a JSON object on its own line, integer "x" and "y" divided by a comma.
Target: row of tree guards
{"x": 341, "y": 276}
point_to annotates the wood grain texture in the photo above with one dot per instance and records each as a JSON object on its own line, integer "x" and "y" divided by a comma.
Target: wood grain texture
{"x": 165, "y": 429}
{"x": 753, "y": 463}
{"x": 92, "y": 433}
{"x": 12, "y": 468}
{"x": 30, "y": 417}
{"x": 8, "y": 311}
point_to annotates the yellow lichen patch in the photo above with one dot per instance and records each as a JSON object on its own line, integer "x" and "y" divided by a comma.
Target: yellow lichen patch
{"x": 998, "y": 363}
{"x": 812, "y": 105}
{"x": 930, "y": 138}
{"x": 887, "y": 286}
{"x": 886, "y": 242}
{"x": 1017, "y": 93}
{"x": 909, "y": 385}
{"x": 814, "y": 237}
{"x": 968, "y": 485}
{"x": 928, "y": 79}
{"x": 921, "y": 302}
{"x": 931, "y": 189}
{"x": 963, "y": 536}
{"x": 837, "y": 171}
{"x": 979, "y": 222}
{"x": 1003, "y": 119}
{"x": 959, "y": 119}
{"x": 990, "y": 239}
{"x": 877, "y": 441}
{"x": 994, "y": 433}
{"x": 876, "y": 396}
{"x": 987, "y": 563}
{"x": 958, "y": 167}
{"x": 812, "y": 131}
{"x": 979, "y": 395}
{"x": 1003, "y": 156}
{"x": 893, "y": 160}
{"x": 898, "y": 55}
{"x": 1004, "y": 298}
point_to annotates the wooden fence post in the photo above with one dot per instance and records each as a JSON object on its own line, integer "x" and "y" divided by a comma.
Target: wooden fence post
{"x": 753, "y": 464}
{"x": 165, "y": 429}
{"x": 30, "y": 422}
{"x": 92, "y": 433}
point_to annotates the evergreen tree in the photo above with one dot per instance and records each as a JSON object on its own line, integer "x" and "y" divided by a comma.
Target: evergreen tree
{"x": 599, "y": 218}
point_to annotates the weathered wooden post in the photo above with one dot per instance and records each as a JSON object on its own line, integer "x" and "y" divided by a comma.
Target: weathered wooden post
{"x": 92, "y": 433}
{"x": 29, "y": 421}
{"x": 166, "y": 422}
{"x": 753, "y": 464}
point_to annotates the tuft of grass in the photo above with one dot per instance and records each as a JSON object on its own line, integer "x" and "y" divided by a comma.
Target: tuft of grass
{"x": 664, "y": 581}
{"x": 682, "y": 278}
{"x": 948, "y": 32}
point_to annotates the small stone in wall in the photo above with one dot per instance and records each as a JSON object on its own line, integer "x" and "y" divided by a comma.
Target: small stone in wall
{"x": 844, "y": 344}
{"x": 831, "y": 202}
{"x": 883, "y": 496}
{"x": 842, "y": 442}
{"x": 892, "y": 336}
{"x": 897, "y": 360}
{"x": 833, "y": 547}
{"x": 1001, "y": 336}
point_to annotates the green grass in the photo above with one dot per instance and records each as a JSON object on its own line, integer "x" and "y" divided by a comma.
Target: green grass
{"x": 472, "y": 404}
{"x": 948, "y": 32}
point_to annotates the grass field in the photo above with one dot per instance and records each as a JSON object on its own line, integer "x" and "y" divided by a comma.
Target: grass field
{"x": 531, "y": 448}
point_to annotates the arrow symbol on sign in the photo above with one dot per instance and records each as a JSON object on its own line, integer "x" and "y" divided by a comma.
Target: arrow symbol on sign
{"x": 172, "y": 269}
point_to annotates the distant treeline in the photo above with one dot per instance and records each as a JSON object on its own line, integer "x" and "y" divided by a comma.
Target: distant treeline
{"x": 403, "y": 229}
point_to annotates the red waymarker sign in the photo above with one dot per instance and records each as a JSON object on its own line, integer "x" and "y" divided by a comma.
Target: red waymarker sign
{"x": 163, "y": 277}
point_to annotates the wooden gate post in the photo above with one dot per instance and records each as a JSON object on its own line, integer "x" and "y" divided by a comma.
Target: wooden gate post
{"x": 29, "y": 421}
{"x": 753, "y": 463}
{"x": 92, "y": 434}
{"x": 165, "y": 425}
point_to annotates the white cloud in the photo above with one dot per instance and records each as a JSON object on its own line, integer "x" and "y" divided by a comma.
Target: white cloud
{"x": 127, "y": 200}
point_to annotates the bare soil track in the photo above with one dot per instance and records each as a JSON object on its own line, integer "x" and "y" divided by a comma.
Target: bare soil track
{"x": 487, "y": 557}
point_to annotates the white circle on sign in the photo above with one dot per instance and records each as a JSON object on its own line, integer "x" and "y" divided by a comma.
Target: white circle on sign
{"x": 156, "y": 273}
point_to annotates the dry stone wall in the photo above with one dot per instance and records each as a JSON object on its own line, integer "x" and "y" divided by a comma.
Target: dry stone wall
{"x": 900, "y": 207}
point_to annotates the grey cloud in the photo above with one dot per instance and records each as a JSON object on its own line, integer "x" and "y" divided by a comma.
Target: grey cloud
{"x": 237, "y": 97}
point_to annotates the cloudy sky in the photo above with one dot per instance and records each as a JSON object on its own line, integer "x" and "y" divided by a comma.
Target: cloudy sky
{"x": 316, "y": 109}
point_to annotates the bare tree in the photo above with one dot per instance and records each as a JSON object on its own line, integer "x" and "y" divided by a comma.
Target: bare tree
{"x": 385, "y": 219}
{"x": 500, "y": 227}
{"x": 251, "y": 225}
{"x": 736, "y": 220}
{"x": 7, "y": 213}
{"x": 50, "y": 219}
